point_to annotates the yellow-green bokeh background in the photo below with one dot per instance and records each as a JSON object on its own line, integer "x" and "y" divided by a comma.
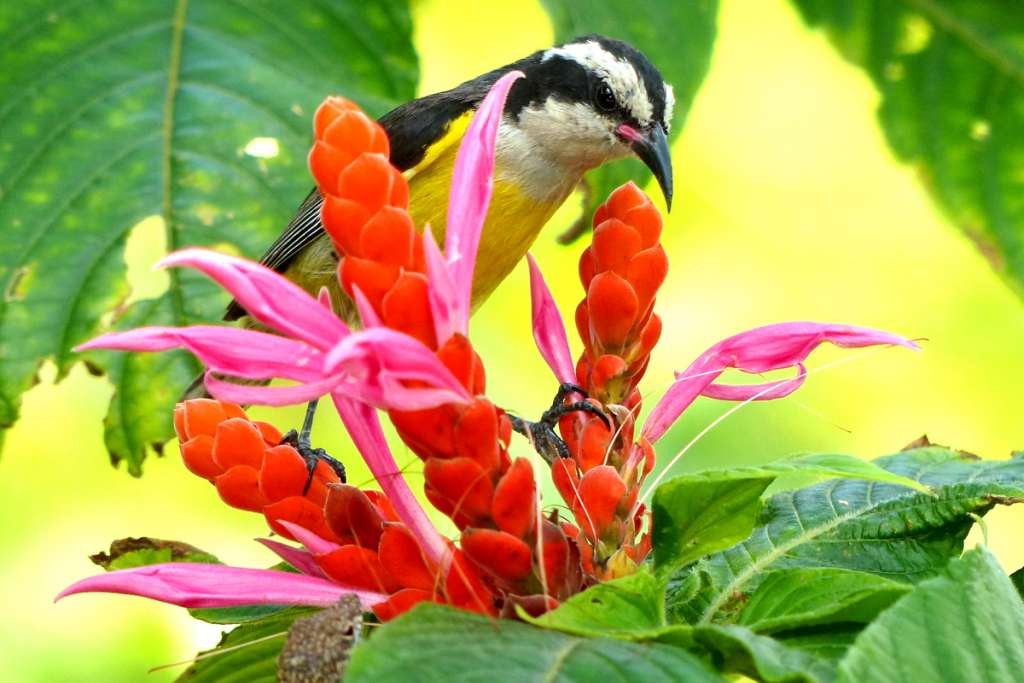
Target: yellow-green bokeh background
{"x": 788, "y": 206}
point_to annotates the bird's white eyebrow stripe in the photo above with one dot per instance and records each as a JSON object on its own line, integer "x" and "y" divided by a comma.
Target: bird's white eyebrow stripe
{"x": 620, "y": 75}
{"x": 670, "y": 105}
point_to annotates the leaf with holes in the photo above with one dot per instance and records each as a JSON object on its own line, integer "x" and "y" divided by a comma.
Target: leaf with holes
{"x": 677, "y": 37}
{"x": 430, "y": 644}
{"x": 966, "y": 624}
{"x": 126, "y": 553}
{"x": 197, "y": 113}
{"x": 951, "y": 77}
{"x": 864, "y": 526}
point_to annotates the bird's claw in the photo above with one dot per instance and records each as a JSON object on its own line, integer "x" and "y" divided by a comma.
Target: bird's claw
{"x": 312, "y": 456}
{"x": 542, "y": 433}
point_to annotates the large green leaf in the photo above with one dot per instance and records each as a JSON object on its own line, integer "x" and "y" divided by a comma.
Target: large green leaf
{"x": 951, "y": 76}
{"x": 700, "y": 513}
{"x": 676, "y": 36}
{"x": 439, "y": 644}
{"x": 966, "y": 624}
{"x": 114, "y": 111}
{"x": 633, "y": 608}
{"x": 864, "y": 526}
{"x": 811, "y": 596}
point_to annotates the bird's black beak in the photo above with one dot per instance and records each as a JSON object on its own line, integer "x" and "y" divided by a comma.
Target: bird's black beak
{"x": 651, "y": 146}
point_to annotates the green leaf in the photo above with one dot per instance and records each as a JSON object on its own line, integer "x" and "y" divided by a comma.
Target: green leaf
{"x": 247, "y": 654}
{"x": 736, "y": 649}
{"x": 863, "y": 526}
{"x": 630, "y": 608}
{"x": 126, "y": 553}
{"x": 696, "y": 514}
{"x": 811, "y": 596}
{"x": 241, "y": 614}
{"x": 112, "y": 112}
{"x": 677, "y": 37}
{"x": 967, "y": 624}
{"x": 828, "y": 644}
{"x": 435, "y": 643}
{"x": 951, "y": 78}
{"x": 1017, "y": 578}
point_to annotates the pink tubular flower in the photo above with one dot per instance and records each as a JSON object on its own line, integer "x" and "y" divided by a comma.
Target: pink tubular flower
{"x": 762, "y": 349}
{"x": 195, "y": 584}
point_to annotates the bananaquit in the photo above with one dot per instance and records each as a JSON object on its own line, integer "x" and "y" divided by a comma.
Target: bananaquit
{"x": 581, "y": 104}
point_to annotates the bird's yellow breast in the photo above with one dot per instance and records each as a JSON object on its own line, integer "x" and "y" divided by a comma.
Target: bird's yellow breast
{"x": 513, "y": 220}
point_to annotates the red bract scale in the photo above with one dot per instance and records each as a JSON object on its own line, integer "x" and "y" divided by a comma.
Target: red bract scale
{"x": 621, "y": 272}
{"x": 505, "y": 550}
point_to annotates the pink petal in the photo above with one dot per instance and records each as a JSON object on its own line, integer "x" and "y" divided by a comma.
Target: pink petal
{"x": 324, "y": 297}
{"x": 367, "y": 315}
{"x": 225, "y": 350}
{"x": 378, "y": 362}
{"x": 363, "y": 426}
{"x": 472, "y": 181}
{"x": 193, "y": 584}
{"x": 443, "y": 296}
{"x": 256, "y": 394}
{"x": 548, "y": 327}
{"x": 296, "y": 557}
{"x": 267, "y": 296}
{"x": 755, "y": 392}
{"x": 772, "y": 347}
{"x": 314, "y": 544}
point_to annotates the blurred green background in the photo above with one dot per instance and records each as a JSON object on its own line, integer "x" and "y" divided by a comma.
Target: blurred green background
{"x": 789, "y": 206}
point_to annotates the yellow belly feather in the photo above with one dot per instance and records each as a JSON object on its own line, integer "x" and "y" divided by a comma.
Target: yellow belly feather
{"x": 513, "y": 220}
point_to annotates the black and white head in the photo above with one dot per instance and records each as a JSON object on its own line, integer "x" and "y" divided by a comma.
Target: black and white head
{"x": 592, "y": 100}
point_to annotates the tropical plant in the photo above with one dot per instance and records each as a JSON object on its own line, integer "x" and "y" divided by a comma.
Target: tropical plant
{"x": 815, "y": 568}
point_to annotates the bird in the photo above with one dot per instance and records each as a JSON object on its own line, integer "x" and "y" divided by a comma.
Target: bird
{"x": 581, "y": 104}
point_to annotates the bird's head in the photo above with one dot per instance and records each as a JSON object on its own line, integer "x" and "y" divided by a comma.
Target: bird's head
{"x": 592, "y": 100}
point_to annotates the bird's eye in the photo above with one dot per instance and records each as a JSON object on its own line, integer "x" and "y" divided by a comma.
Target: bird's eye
{"x": 604, "y": 98}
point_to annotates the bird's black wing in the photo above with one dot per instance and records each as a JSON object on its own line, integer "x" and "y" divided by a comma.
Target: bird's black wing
{"x": 412, "y": 128}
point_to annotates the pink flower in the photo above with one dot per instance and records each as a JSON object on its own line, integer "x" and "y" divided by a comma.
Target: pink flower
{"x": 762, "y": 349}
{"x": 195, "y": 584}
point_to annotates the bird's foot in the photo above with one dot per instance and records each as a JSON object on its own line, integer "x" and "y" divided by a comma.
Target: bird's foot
{"x": 312, "y": 456}
{"x": 542, "y": 432}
